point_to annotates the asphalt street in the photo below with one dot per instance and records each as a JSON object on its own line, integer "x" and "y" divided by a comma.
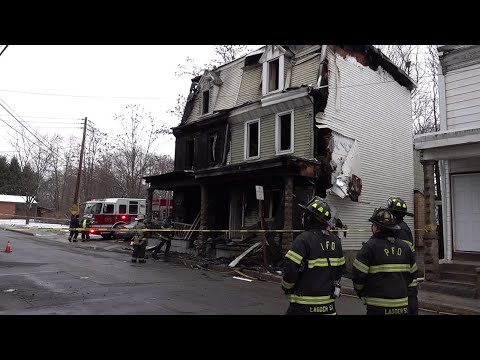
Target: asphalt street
{"x": 44, "y": 276}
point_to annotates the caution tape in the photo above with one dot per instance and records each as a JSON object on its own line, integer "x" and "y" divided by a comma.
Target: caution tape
{"x": 244, "y": 231}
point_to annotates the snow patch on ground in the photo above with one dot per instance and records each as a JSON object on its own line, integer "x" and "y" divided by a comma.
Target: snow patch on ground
{"x": 21, "y": 222}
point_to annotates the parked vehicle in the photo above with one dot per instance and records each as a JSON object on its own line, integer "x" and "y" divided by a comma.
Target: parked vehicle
{"x": 109, "y": 214}
{"x": 128, "y": 231}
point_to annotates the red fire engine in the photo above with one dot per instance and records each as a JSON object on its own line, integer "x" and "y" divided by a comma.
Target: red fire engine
{"x": 108, "y": 214}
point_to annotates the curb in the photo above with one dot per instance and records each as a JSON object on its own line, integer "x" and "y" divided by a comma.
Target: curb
{"x": 19, "y": 231}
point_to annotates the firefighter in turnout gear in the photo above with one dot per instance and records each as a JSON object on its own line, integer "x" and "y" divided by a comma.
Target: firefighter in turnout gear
{"x": 314, "y": 265}
{"x": 139, "y": 240}
{"x": 384, "y": 268}
{"x": 398, "y": 207}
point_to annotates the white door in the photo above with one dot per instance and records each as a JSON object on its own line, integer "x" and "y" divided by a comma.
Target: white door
{"x": 466, "y": 212}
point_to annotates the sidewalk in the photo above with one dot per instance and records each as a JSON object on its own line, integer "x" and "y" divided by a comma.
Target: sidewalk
{"x": 428, "y": 300}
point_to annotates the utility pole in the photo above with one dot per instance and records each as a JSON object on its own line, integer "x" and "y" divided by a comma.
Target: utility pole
{"x": 77, "y": 187}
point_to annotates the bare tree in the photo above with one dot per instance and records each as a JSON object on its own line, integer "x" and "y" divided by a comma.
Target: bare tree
{"x": 137, "y": 144}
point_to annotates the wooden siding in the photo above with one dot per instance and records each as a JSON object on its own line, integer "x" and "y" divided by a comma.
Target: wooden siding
{"x": 303, "y": 138}
{"x": 462, "y": 87}
{"x": 306, "y": 73}
{"x": 250, "y": 87}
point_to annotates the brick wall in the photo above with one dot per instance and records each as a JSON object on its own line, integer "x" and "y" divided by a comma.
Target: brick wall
{"x": 7, "y": 209}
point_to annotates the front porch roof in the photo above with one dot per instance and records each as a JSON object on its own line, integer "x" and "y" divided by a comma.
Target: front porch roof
{"x": 450, "y": 144}
{"x": 284, "y": 165}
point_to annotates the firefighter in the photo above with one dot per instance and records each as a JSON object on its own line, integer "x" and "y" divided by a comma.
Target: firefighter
{"x": 314, "y": 265}
{"x": 139, "y": 240}
{"x": 166, "y": 239}
{"x": 384, "y": 267}
{"x": 398, "y": 207}
{"x": 85, "y": 226}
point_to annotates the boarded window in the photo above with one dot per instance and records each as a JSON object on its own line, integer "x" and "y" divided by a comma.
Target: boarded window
{"x": 252, "y": 142}
{"x": 285, "y": 132}
{"x": 206, "y": 102}
{"x": 273, "y": 75}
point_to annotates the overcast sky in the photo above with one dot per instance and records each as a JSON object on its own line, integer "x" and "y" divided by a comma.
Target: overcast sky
{"x": 94, "y": 80}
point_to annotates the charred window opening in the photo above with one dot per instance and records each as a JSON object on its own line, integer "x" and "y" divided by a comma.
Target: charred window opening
{"x": 320, "y": 95}
{"x": 284, "y": 131}
{"x": 206, "y": 102}
{"x": 323, "y": 153}
{"x": 212, "y": 148}
{"x": 190, "y": 153}
{"x": 272, "y": 203}
{"x": 252, "y": 139}
{"x": 273, "y": 75}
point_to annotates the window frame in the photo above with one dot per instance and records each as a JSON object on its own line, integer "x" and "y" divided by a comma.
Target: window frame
{"x": 246, "y": 142}
{"x": 266, "y": 75}
{"x": 208, "y": 102}
{"x": 278, "y": 133}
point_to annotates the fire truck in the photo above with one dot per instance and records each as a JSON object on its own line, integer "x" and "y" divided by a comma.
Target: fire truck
{"x": 107, "y": 215}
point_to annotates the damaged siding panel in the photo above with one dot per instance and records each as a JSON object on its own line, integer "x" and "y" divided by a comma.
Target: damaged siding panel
{"x": 228, "y": 93}
{"x": 377, "y": 114}
{"x": 250, "y": 87}
{"x": 306, "y": 73}
{"x": 197, "y": 109}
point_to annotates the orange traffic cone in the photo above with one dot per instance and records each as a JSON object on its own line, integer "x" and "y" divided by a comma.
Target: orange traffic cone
{"x": 8, "y": 248}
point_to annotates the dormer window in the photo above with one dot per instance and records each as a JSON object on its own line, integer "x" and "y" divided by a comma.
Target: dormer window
{"x": 206, "y": 102}
{"x": 273, "y": 74}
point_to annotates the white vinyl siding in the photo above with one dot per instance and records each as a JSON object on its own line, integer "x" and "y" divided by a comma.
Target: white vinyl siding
{"x": 379, "y": 117}
{"x": 462, "y": 87}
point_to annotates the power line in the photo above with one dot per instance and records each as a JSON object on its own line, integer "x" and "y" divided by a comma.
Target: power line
{"x": 87, "y": 96}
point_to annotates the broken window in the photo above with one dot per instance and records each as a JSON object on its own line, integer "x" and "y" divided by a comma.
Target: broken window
{"x": 190, "y": 153}
{"x": 252, "y": 139}
{"x": 273, "y": 75}
{"x": 284, "y": 133}
{"x": 206, "y": 102}
{"x": 212, "y": 142}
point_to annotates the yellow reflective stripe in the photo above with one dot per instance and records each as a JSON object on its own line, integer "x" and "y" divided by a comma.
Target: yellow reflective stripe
{"x": 287, "y": 285}
{"x": 413, "y": 283}
{"x": 389, "y": 268}
{"x": 386, "y": 302}
{"x": 358, "y": 286}
{"x": 311, "y": 300}
{"x": 361, "y": 266}
{"x": 292, "y": 255}
{"x": 331, "y": 314}
{"x": 414, "y": 268}
{"x": 410, "y": 245}
{"x": 322, "y": 262}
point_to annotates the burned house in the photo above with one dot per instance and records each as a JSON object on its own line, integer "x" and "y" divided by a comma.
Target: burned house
{"x": 330, "y": 120}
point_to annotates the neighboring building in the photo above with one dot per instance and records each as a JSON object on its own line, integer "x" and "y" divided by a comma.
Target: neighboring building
{"x": 15, "y": 205}
{"x": 457, "y": 149}
{"x": 331, "y": 120}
